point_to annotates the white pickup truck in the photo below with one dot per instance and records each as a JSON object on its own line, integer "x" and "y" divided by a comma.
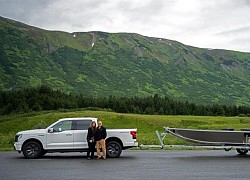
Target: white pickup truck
{"x": 69, "y": 135}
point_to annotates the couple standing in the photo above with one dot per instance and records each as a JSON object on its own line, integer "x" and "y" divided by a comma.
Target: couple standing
{"x": 96, "y": 138}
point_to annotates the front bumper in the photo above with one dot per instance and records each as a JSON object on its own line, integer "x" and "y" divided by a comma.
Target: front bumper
{"x": 17, "y": 147}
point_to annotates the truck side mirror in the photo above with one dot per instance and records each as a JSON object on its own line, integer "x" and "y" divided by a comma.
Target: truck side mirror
{"x": 51, "y": 130}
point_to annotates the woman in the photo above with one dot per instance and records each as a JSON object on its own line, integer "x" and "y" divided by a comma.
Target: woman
{"x": 91, "y": 140}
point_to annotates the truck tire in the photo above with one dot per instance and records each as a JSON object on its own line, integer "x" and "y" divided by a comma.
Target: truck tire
{"x": 114, "y": 149}
{"x": 32, "y": 150}
{"x": 242, "y": 151}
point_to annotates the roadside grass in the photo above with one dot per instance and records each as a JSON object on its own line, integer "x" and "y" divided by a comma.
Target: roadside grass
{"x": 146, "y": 124}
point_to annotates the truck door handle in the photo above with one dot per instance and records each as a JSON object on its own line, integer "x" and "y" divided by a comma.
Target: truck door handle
{"x": 69, "y": 134}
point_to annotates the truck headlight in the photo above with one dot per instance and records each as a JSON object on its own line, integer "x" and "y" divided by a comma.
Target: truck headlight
{"x": 17, "y": 137}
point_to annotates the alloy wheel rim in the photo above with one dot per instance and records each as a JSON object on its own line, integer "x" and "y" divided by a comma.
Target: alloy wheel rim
{"x": 32, "y": 149}
{"x": 113, "y": 149}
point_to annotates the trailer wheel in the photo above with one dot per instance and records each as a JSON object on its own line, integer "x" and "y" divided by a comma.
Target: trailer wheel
{"x": 242, "y": 151}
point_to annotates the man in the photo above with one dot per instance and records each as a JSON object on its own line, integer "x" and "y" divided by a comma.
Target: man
{"x": 100, "y": 137}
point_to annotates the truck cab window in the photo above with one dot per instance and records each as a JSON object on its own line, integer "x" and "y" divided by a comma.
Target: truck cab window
{"x": 81, "y": 125}
{"x": 63, "y": 126}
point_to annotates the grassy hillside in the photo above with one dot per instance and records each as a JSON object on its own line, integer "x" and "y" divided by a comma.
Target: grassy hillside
{"x": 146, "y": 124}
{"x": 122, "y": 64}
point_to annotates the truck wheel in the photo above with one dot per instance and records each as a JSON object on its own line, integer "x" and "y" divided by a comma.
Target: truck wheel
{"x": 32, "y": 150}
{"x": 114, "y": 149}
{"x": 242, "y": 151}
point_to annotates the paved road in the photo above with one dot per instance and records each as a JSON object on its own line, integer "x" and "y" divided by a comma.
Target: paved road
{"x": 131, "y": 165}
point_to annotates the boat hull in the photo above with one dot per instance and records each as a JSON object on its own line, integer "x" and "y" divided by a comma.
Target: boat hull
{"x": 212, "y": 136}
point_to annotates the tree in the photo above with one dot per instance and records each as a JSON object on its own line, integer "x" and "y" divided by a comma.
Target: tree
{"x": 161, "y": 111}
{"x": 37, "y": 107}
{"x": 150, "y": 110}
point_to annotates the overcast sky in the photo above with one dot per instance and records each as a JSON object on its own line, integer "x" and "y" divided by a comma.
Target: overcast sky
{"x": 223, "y": 24}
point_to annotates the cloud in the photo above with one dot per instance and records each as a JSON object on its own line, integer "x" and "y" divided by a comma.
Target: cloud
{"x": 220, "y": 24}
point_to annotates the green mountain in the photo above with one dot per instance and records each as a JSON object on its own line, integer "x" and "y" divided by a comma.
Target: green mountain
{"x": 120, "y": 64}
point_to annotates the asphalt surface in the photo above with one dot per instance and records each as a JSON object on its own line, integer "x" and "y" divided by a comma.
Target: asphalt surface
{"x": 133, "y": 164}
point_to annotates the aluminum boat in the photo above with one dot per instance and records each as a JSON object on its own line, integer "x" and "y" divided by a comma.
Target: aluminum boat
{"x": 222, "y": 137}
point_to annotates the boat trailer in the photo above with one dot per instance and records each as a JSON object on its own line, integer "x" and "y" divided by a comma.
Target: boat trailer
{"x": 206, "y": 139}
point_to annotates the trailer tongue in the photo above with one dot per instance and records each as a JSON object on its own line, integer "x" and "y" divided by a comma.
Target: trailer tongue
{"x": 210, "y": 139}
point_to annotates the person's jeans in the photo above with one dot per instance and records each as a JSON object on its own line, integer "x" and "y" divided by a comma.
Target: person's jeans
{"x": 101, "y": 144}
{"x": 91, "y": 149}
